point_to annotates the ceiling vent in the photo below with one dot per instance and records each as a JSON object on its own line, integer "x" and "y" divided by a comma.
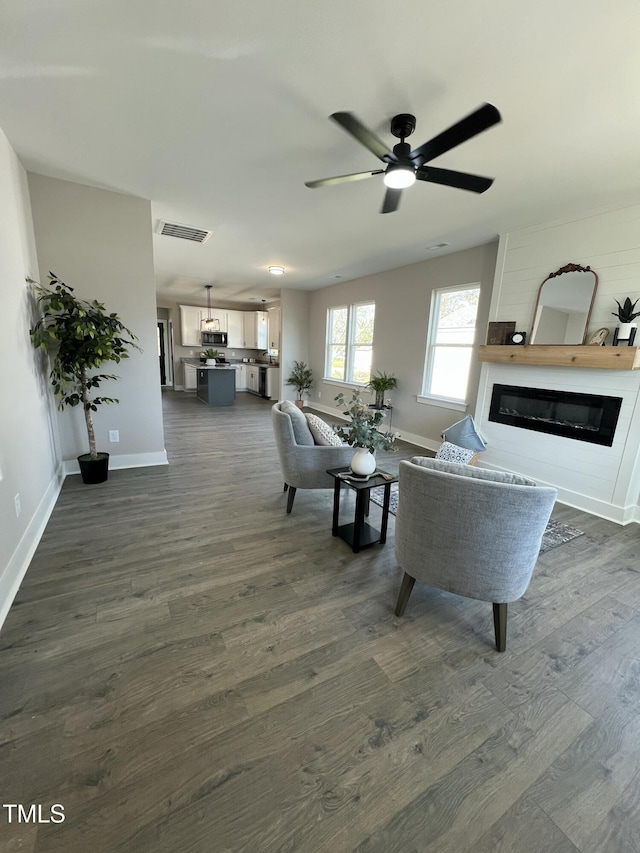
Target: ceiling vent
{"x": 437, "y": 246}
{"x": 183, "y": 232}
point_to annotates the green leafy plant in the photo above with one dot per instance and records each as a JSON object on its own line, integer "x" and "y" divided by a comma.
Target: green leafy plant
{"x": 363, "y": 430}
{"x": 381, "y": 382}
{"x": 625, "y": 313}
{"x": 82, "y": 337}
{"x": 211, "y": 353}
{"x": 301, "y": 377}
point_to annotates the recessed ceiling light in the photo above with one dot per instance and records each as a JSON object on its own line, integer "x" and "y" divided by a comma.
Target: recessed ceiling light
{"x": 276, "y": 270}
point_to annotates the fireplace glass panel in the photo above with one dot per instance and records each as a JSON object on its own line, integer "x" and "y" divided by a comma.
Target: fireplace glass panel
{"x": 584, "y": 417}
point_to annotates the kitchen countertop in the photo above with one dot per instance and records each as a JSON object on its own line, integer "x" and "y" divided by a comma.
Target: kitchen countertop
{"x": 231, "y": 363}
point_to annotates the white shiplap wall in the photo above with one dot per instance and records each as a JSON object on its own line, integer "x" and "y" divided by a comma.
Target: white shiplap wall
{"x": 602, "y": 480}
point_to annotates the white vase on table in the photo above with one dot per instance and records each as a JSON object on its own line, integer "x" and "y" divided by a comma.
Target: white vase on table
{"x": 363, "y": 462}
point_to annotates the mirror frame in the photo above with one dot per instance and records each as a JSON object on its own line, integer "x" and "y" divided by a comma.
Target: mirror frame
{"x": 565, "y": 269}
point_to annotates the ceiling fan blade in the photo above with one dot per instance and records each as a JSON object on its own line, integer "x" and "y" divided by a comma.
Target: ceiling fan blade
{"x": 391, "y": 201}
{"x": 483, "y": 118}
{"x": 342, "y": 179}
{"x": 365, "y": 137}
{"x": 460, "y": 180}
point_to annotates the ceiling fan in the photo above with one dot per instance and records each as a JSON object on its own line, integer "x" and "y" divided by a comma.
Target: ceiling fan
{"x": 405, "y": 166}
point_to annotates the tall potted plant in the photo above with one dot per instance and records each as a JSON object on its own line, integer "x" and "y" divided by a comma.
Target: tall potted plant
{"x": 381, "y": 382}
{"x": 362, "y": 433}
{"x": 301, "y": 377}
{"x": 82, "y": 337}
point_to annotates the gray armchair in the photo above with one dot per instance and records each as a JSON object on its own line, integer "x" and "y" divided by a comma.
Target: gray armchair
{"x": 470, "y": 531}
{"x": 304, "y": 464}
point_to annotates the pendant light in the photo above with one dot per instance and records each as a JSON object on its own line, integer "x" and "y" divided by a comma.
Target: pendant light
{"x": 210, "y": 325}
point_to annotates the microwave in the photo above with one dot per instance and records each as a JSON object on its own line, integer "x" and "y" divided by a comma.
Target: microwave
{"x": 214, "y": 338}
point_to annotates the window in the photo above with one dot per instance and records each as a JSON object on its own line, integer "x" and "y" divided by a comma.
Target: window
{"x": 450, "y": 341}
{"x": 350, "y": 343}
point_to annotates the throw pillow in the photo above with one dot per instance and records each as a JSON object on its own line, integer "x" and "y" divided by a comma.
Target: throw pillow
{"x": 321, "y": 431}
{"x": 301, "y": 431}
{"x": 464, "y": 434}
{"x": 452, "y": 453}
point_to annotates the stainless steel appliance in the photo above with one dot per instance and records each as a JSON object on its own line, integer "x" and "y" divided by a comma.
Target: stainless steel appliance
{"x": 214, "y": 339}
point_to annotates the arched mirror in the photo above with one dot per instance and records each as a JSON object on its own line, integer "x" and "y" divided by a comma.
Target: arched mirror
{"x": 563, "y": 307}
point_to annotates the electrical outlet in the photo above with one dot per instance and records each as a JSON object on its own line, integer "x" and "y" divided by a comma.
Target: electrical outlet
{"x": 114, "y": 435}
{"x": 319, "y": 394}
{"x": 233, "y": 352}
{"x": 18, "y": 505}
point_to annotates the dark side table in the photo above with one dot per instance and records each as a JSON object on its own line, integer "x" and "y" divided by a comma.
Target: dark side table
{"x": 359, "y": 533}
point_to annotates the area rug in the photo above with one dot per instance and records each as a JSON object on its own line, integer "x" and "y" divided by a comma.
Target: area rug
{"x": 555, "y": 534}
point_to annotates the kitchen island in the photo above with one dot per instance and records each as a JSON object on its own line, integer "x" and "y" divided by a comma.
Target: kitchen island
{"x": 216, "y": 385}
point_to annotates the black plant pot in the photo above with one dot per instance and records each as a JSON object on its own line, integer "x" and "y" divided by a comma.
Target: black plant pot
{"x": 94, "y": 470}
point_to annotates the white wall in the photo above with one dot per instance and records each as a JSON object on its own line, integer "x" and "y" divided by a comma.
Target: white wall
{"x": 100, "y": 243}
{"x": 403, "y": 299}
{"x": 294, "y": 337}
{"x": 29, "y": 455}
{"x": 602, "y": 480}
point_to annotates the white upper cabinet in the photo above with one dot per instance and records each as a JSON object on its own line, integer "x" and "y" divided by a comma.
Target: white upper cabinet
{"x": 190, "y": 320}
{"x": 274, "y": 328}
{"x": 255, "y": 330}
{"x": 235, "y": 329}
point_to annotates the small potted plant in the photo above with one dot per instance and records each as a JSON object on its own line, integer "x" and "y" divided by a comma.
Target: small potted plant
{"x": 211, "y": 356}
{"x": 381, "y": 382}
{"x": 362, "y": 433}
{"x": 82, "y": 337}
{"x": 626, "y": 314}
{"x": 301, "y": 377}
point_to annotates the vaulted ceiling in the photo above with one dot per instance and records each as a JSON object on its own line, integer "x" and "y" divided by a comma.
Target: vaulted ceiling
{"x": 218, "y": 113}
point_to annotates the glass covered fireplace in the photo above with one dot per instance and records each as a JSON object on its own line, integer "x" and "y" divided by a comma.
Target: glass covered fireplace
{"x": 584, "y": 417}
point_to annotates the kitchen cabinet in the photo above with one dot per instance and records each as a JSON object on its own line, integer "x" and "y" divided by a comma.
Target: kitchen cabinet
{"x": 190, "y": 318}
{"x": 190, "y": 376}
{"x": 274, "y": 328}
{"x": 253, "y": 378}
{"x": 217, "y": 386}
{"x": 255, "y": 330}
{"x": 235, "y": 329}
{"x": 241, "y": 377}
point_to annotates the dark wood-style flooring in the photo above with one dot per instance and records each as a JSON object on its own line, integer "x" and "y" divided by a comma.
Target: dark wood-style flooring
{"x": 187, "y": 668}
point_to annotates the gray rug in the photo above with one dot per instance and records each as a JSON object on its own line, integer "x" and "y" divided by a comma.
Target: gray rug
{"x": 555, "y": 534}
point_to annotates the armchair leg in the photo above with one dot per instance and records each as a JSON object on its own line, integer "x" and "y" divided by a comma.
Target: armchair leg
{"x": 290, "y": 497}
{"x": 286, "y": 486}
{"x": 500, "y": 626}
{"x": 405, "y": 592}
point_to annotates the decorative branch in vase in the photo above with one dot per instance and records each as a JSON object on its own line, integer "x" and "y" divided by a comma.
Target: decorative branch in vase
{"x": 362, "y": 433}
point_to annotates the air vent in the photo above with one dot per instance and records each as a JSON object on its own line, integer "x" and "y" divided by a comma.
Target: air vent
{"x": 437, "y": 246}
{"x": 183, "y": 232}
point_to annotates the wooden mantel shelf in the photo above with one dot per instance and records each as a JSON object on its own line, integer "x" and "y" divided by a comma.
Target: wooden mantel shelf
{"x": 608, "y": 358}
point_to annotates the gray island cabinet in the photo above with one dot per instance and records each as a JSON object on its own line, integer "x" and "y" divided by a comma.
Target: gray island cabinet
{"x": 217, "y": 386}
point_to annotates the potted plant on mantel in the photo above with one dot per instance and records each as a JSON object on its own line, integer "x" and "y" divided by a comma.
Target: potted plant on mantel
{"x": 626, "y": 331}
{"x": 381, "y": 382}
{"x": 301, "y": 377}
{"x": 362, "y": 433}
{"x": 85, "y": 337}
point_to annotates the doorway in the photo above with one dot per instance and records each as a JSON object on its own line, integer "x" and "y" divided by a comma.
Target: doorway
{"x": 165, "y": 350}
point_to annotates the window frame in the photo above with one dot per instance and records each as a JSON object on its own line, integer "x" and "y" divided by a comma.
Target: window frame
{"x": 350, "y": 344}
{"x": 434, "y": 315}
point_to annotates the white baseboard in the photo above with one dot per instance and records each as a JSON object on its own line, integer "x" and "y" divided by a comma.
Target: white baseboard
{"x": 131, "y": 460}
{"x": 618, "y": 514}
{"x": 21, "y": 558}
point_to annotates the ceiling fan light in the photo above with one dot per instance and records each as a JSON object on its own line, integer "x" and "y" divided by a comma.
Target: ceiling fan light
{"x": 276, "y": 270}
{"x": 399, "y": 177}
